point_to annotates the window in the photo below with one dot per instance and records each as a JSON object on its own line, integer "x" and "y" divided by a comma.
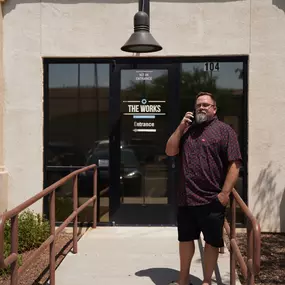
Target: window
{"x": 78, "y": 109}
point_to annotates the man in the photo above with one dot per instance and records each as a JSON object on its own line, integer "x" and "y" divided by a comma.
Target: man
{"x": 210, "y": 160}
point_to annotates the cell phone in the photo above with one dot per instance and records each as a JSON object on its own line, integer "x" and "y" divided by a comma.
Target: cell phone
{"x": 194, "y": 120}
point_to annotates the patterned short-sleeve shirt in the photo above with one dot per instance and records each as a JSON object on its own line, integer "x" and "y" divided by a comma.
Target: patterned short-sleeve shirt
{"x": 206, "y": 151}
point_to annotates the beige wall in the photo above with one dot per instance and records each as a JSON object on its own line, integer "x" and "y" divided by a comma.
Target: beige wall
{"x": 23, "y": 134}
{"x": 266, "y": 108}
{"x": 3, "y": 172}
{"x": 63, "y": 28}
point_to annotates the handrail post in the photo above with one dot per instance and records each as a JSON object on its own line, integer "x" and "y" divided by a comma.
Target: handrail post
{"x": 256, "y": 249}
{"x": 232, "y": 236}
{"x": 75, "y": 207}
{"x": 250, "y": 275}
{"x": 14, "y": 249}
{"x": 95, "y": 201}
{"x": 52, "y": 232}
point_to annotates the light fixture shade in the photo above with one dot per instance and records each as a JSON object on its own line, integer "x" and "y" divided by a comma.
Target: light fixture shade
{"x": 141, "y": 41}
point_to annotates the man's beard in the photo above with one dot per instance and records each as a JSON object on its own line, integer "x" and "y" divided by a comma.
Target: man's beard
{"x": 201, "y": 118}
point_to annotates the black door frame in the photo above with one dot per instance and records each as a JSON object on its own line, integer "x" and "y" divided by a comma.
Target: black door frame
{"x": 173, "y": 119}
{"x": 114, "y": 61}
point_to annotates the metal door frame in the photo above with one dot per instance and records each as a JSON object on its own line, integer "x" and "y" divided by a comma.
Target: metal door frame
{"x": 173, "y": 119}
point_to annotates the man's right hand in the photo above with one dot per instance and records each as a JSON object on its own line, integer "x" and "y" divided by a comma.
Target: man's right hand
{"x": 172, "y": 146}
{"x": 186, "y": 121}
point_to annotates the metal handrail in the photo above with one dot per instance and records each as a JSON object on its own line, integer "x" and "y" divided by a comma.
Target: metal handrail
{"x": 12, "y": 259}
{"x": 250, "y": 268}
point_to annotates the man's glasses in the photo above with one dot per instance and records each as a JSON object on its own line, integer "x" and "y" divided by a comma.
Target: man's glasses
{"x": 204, "y": 105}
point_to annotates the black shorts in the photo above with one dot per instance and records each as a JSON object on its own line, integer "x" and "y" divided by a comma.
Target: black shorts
{"x": 208, "y": 219}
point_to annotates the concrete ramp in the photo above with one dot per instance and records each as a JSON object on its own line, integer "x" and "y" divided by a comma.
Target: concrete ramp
{"x": 133, "y": 256}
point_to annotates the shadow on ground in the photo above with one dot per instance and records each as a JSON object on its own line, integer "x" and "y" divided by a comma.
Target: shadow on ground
{"x": 163, "y": 276}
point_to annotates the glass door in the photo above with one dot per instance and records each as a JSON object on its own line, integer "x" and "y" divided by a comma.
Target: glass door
{"x": 141, "y": 173}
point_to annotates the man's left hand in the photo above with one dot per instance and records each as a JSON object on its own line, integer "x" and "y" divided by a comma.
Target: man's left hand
{"x": 223, "y": 198}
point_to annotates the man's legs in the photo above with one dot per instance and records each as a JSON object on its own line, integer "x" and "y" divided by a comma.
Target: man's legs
{"x": 212, "y": 228}
{"x": 188, "y": 231}
{"x": 211, "y": 254}
{"x": 186, "y": 251}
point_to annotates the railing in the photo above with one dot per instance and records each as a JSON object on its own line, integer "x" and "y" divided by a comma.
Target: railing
{"x": 250, "y": 268}
{"x": 12, "y": 259}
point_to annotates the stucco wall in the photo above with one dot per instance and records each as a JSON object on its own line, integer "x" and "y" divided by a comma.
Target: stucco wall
{"x": 266, "y": 108}
{"x": 33, "y": 30}
{"x": 181, "y": 27}
{"x": 23, "y": 134}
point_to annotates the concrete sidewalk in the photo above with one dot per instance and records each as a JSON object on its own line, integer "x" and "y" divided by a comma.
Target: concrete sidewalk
{"x": 133, "y": 256}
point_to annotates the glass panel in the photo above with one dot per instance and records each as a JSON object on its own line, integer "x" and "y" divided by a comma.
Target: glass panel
{"x": 78, "y": 98}
{"x": 225, "y": 81}
{"x": 144, "y": 171}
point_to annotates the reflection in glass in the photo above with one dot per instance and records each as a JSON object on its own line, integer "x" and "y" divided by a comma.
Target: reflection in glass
{"x": 78, "y": 99}
{"x": 78, "y": 113}
{"x": 144, "y": 173}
